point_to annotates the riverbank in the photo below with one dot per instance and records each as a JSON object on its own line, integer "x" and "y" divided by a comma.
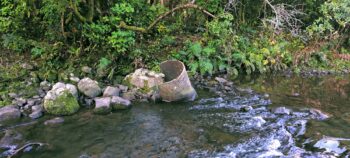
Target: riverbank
{"x": 229, "y": 118}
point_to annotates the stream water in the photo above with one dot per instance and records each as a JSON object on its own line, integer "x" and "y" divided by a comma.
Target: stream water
{"x": 242, "y": 125}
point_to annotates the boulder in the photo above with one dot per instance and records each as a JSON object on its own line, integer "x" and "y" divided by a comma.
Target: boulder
{"x": 61, "y": 100}
{"x": 89, "y": 87}
{"x": 119, "y": 103}
{"x": 102, "y": 105}
{"x": 143, "y": 78}
{"x": 9, "y": 112}
{"x": 111, "y": 91}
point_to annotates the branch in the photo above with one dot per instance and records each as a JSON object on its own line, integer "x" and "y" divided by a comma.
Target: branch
{"x": 23, "y": 147}
{"x": 161, "y": 17}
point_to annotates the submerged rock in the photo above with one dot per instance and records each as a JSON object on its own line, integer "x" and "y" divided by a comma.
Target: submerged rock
{"x": 9, "y": 112}
{"x": 89, "y": 87}
{"x": 56, "y": 120}
{"x": 61, "y": 100}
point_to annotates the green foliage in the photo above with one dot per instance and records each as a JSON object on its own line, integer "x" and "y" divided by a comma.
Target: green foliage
{"x": 335, "y": 17}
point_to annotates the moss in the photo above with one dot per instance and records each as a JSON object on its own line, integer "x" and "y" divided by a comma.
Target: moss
{"x": 102, "y": 110}
{"x": 120, "y": 107}
{"x": 65, "y": 104}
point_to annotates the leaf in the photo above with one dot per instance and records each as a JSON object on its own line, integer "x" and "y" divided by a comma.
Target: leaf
{"x": 196, "y": 49}
{"x": 104, "y": 62}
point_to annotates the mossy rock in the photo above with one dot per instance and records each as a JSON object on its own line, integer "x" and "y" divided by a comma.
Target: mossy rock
{"x": 64, "y": 104}
{"x": 102, "y": 110}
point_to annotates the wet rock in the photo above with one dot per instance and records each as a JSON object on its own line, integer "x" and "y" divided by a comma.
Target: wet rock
{"x": 155, "y": 97}
{"x": 56, "y": 120}
{"x": 89, "y": 87}
{"x": 131, "y": 95}
{"x": 119, "y": 103}
{"x": 282, "y": 110}
{"x": 9, "y": 112}
{"x": 266, "y": 96}
{"x": 102, "y": 105}
{"x": 330, "y": 145}
{"x": 220, "y": 80}
{"x": 111, "y": 91}
{"x": 318, "y": 114}
{"x": 61, "y": 100}
{"x": 143, "y": 78}
{"x": 86, "y": 69}
{"x": 246, "y": 108}
{"x": 37, "y": 112}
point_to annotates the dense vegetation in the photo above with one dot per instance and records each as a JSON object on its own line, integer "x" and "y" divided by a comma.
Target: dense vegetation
{"x": 235, "y": 36}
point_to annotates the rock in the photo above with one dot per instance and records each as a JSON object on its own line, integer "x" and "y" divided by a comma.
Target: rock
{"x": 102, "y": 105}
{"x": 9, "y": 112}
{"x": 31, "y": 102}
{"x": 13, "y": 95}
{"x": 119, "y": 103}
{"x": 89, "y": 87}
{"x": 61, "y": 100}
{"x": 330, "y": 145}
{"x": 318, "y": 114}
{"x": 123, "y": 88}
{"x": 72, "y": 90}
{"x": 74, "y": 79}
{"x": 10, "y": 138}
{"x": 155, "y": 97}
{"x": 53, "y": 121}
{"x": 282, "y": 110}
{"x": 111, "y": 91}
{"x": 86, "y": 69}
{"x": 20, "y": 101}
{"x": 246, "y": 108}
{"x": 36, "y": 114}
{"x": 143, "y": 78}
{"x": 129, "y": 95}
{"x": 220, "y": 80}
{"x": 45, "y": 85}
{"x": 88, "y": 102}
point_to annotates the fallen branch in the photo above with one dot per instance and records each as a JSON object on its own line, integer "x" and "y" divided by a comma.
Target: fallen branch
{"x": 156, "y": 21}
{"x": 23, "y": 147}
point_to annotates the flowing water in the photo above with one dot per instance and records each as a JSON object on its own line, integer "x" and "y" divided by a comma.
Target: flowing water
{"x": 241, "y": 125}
